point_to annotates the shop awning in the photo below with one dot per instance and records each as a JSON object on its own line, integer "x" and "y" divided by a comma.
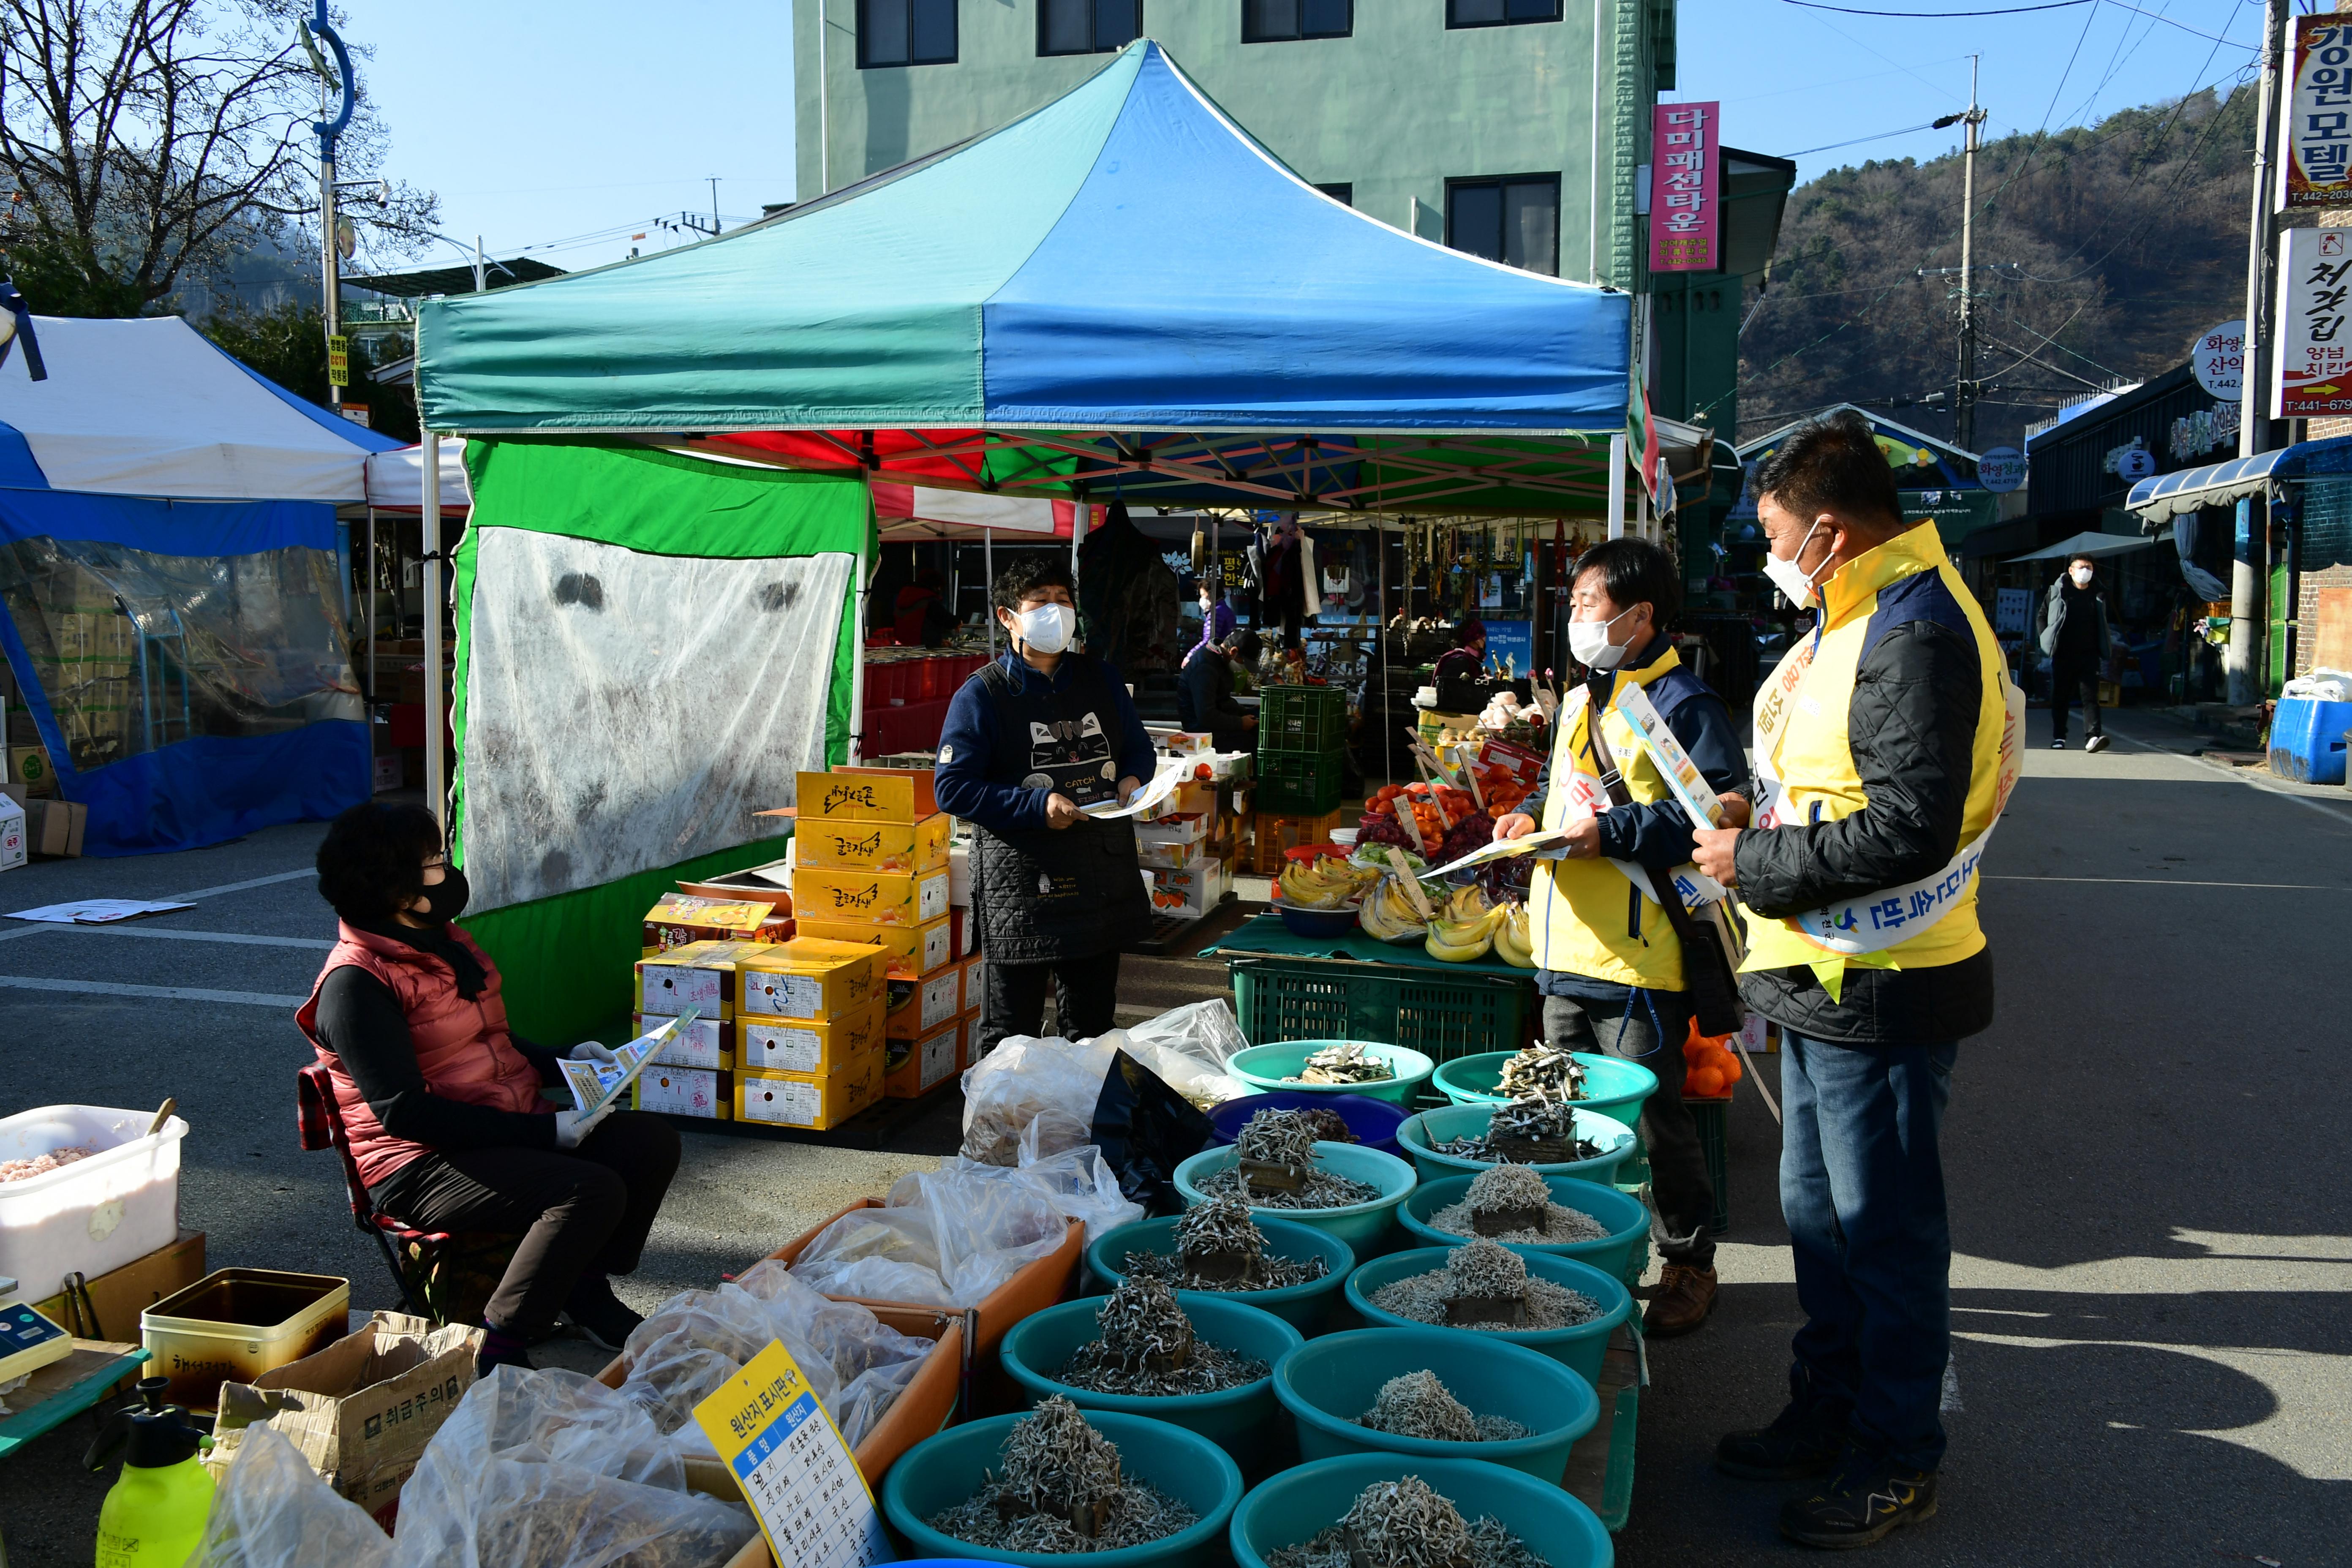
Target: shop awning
{"x": 2091, "y": 545}
{"x": 2215, "y": 484}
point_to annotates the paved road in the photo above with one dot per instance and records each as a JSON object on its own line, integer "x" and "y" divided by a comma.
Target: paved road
{"x": 2153, "y": 1286}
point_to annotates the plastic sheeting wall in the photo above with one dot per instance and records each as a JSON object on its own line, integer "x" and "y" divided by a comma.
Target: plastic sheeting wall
{"x": 627, "y": 712}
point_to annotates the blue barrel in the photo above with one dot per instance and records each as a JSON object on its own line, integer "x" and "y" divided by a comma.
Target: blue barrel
{"x": 1298, "y": 1505}
{"x": 1304, "y": 1307}
{"x": 1327, "y": 1382}
{"x": 1373, "y": 1122}
{"x": 1580, "y": 1348}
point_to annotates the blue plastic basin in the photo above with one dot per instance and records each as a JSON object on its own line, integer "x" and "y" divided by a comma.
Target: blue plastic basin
{"x": 1580, "y": 1349}
{"x": 1447, "y": 1122}
{"x": 1363, "y": 1226}
{"x": 1244, "y": 1422}
{"x": 1266, "y": 1067}
{"x": 1373, "y": 1122}
{"x": 1618, "y": 1086}
{"x": 2308, "y": 739}
{"x": 1627, "y": 1219}
{"x": 1304, "y": 1307}
{"x": 1298, "y": 1505}
{"x": 937, "y": 1473}
{"x": 1327, "y": 1382}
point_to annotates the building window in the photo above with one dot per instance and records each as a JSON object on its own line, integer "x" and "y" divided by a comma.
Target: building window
{"x": 1500, "y": 13}
{"x": 1514, "y": 220}
{"x": 1344, "y": 191}
{"x": 905, "y": 33}
{"x": 1274, "y": 21}
{"x": 1088, "y": 26}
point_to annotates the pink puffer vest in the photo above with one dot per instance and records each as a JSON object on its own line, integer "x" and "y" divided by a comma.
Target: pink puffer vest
{"x": 462, "y": 1047}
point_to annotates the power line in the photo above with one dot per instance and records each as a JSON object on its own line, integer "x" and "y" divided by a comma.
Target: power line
{"x": 2015, "y": 11}
{"x": 1881, "y": 136}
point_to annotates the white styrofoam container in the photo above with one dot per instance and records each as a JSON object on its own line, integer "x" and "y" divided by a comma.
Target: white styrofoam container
{"x": 12, "y": 836}
{"x": 95, "y": 1215}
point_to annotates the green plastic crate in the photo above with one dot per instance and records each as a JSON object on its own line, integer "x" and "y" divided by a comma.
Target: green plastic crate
{"x": 1714, "y": 1120}
{"x": 1308, "y": 719}
{"x": 1441, "y": 1015}
{"x": 1304, "y": 783}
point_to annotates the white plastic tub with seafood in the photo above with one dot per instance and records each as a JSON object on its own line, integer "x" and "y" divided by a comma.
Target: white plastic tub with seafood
{"x": 93, "y": 1215}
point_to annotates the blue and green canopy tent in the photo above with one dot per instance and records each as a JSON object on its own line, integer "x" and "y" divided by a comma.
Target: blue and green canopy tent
{"x": 1119, "y": 293}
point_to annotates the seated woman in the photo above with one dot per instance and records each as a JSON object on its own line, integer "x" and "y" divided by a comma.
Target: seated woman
{"x": 442, "y": 1102}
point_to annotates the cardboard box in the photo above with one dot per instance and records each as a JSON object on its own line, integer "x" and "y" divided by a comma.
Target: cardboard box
{"x": 795, "y": 1100}
{"x": 1170, "y": 857}
{"x": 685, "y": 1091}
{"x": 681, "y": 918}
{"x": 53, "y": 828}
{"x": 11, "y": 834}
{"x": 117, "y": 1297}
{"x": 361, "y": 1410}
{"x": 907, "y": 954}
{"x": 893, "y": 848}
{"x": 1192, "y": 892}
{"x": 705, "y": 1043}
{"x": 808, "y": 1047}
{"x": 1186, "y": 744}
{"x": 797, "y": 980}
{"x": 1191, "y": 795}
{"x": 1190, "y": 827}
{"x": 960, "y": 876}
{"x": 868, "y": 898}
{"x": 700, "y": 975}
{"x": 975, "y": 982}
{"x": 29, "y": 766}
{"x": 914, "y": 1008}
{"x": 913, "y": 1068}
{"x": 867, "y": 794}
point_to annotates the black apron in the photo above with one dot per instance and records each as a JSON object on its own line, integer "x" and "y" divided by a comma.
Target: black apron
{"x": 1042, "y": 895}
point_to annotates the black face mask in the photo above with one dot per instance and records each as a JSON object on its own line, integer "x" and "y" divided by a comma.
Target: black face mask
{"x": 445, "y": 901}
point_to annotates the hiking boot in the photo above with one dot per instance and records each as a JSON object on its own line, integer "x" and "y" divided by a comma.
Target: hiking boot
{"x": 1797, "y": 1446}
{"x": 1861, "y": 1503}
{"x": 595, "y": 1311}
{"x": 1684, "y": 1296}
{"x": 2095, "y": 743}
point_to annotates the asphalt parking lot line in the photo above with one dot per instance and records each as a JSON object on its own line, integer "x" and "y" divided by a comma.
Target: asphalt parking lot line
{"x": 159, "y": 992}
{"x": 38, "y": 927}
{"x": 173, "y": 934}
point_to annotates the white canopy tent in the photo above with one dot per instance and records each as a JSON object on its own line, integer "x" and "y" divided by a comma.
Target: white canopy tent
{"x": 2091, "y": 545}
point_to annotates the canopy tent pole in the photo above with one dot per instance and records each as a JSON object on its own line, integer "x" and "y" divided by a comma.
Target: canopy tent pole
{"x": 858, "y": 662}
{"x": 1380, "y": 646}
{"x": 1617, "y": 485}
{"x": 988, "y": 570}
{"x": 437, "y": 795}
{"x": 370, "y": 605}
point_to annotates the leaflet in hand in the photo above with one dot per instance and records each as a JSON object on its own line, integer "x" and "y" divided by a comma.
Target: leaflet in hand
{"x": 1688, "y": 786}
{"x": 595, "y": 1085}
{"x": 1157, "y": 792}
{"x": 1541, "y": 842}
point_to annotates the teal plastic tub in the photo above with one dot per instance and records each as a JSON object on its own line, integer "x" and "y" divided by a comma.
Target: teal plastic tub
{"x": 1364, "y": 1226}
{"x": 1306, "y": 1307}
{"x": 1245, "y": 1422}
{"x": 1627, "y": 1219}
{"x": 1326, "y": 1383}
{"x": 1580, "y": 1349}
{"x": 1269, "y": 1066}
{"x": 1298, "y": 1505}
{"x": 1618, "y": 1086}
{"x": 1447, "y": 1122}
{"x": 939, "y": 1472}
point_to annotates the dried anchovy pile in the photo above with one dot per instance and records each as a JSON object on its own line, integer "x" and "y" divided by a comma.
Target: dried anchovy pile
{"x": 1517, "y": 1187}
{"x": 1406, "y": 1524}
{"x": 1344, "y": 1063}
{"x": 1054, "y": 1459}
{"x": 1223, "y": 1227}
{"x": 1524, "y": 1118}
{"x": 1542, "y": 1073}
{"x": 1285, "y": 1137}
{"x": 1143, "y": 1326}
{"x": 1278, "y": 1137}
{"x": 1485, "y": 1268}
{"x": 1418, "y": 1406}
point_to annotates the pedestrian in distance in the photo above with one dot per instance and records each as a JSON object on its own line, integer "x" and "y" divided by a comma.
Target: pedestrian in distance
{"x": 2077, "y": 640}
{"x": 1880, "y": 745}
{"x": 1204, "y": 691}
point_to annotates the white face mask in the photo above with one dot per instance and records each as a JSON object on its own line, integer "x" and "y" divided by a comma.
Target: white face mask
{"x": 1588, "y": 642}
{"x": 1046, "y": 628}
{"x": 2081, "y": 575}
{"x": 1790, "y": 578}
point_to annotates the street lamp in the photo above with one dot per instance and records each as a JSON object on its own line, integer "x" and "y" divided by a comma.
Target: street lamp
{"x": 309, "y": 32}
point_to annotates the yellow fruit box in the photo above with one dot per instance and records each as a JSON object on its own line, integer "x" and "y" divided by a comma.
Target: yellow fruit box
{"x": 914, "y": 1068}
{"x": 808, "y": 1046}
{"x": 867, "y": 794}
{"x": 815, "y": 1103}
{"x": 892, "y": 848}
{"x": 917, "y": 1006}
{"x": 808, "y": 978}
{"x": 909, "y": 952}
{"x": 682, "y": 918}
{"x": 707, "y": 1043}
{"x": 700, "y": 975}
{"x": 868, "y": 898}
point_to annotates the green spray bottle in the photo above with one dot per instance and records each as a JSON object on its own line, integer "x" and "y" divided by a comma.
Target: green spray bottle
{"x": 154, "y": 1516}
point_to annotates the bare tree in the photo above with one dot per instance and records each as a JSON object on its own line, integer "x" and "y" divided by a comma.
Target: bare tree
{"x": 151, "y": 142}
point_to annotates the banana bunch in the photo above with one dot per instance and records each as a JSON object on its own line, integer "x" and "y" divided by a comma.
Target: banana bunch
{"x": 1513, "y": 943}
{"x": 1388, "y": 914}
{"x": 1467, "y": 903}
{"x": 1325, "y": 884}
{"x": 1462, "y": 941}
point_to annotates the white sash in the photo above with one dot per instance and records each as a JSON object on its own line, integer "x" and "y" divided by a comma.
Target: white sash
{"x": 1588, "y": 797}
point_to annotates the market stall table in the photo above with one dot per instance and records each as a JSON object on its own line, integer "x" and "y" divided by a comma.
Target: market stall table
{"x": 64, "y": 1389}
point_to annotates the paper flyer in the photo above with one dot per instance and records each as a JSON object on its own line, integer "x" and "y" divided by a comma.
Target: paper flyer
{"x": 595, "y": 1085}
{"x": 1675, "y": 766}
{"x": 98, "y": 911}
{"x": 1541, "y": 842}
{"x": 1156, "y": 792}
{"x": 800, "y": 1479}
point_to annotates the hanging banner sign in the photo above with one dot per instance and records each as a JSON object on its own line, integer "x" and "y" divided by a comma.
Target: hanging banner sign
{"x": 338, "y": 361}
{"x": 1685, "y": 189}
{"x": 2315, "y": 303}
{"x": 2318, "y": 134}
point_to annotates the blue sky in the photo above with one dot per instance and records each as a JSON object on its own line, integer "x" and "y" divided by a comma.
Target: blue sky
{"x": 564, "y": 129}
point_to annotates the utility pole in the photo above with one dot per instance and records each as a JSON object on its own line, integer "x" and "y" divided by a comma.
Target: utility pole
{"x": 714, "y": 206}
{"x": 1964, "y": 391}
{"x": 2240, "y": 659}
{"x": 309, "y": 34}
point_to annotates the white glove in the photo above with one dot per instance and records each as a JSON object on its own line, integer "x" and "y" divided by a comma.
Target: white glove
{"x": 590, "y": 1051}
{"x": 571, "y": 1128}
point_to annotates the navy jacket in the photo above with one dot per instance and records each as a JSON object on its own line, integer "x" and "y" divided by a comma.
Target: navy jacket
{"x": 966, "y": 785}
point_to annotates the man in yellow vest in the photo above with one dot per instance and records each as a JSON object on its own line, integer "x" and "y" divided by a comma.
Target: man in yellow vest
{"x": 1610, "y": 965}
{"x": 1886, "y": 743}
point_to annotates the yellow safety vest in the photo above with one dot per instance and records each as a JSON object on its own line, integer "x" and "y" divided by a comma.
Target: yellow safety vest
{"x": 1588, "y": 919}
{"x": 1809, "y": 695}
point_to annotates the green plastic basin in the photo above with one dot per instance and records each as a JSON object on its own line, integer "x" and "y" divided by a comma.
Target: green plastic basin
{"x": 1619, "y": 1087}
{"x": 1245, "y": 1422}
{"x": 1327, "y": 1382}
{"x": 1446, "y": 1123}
{"x": 1298, "y": 1505}
{"x": 1580, "y": 1349}
{"x": 1363, "y": 1226}
{"x": 1268, "y": 1067}
{"x": 939, "y": 1472}
{"x": 1304, "y": 1307}
{"x": 1627, "y": 1219}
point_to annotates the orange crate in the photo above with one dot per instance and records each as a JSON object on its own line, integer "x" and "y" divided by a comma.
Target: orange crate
{"x": 1276, "y": 834}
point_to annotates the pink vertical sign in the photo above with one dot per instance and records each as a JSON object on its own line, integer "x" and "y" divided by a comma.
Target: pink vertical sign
{"x": 1685, "y": 192}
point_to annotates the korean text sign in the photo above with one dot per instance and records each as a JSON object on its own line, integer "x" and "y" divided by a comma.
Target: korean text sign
{"x": 2317, "y": 134}
{"x": 1685, "y": 189}
{"x": 2314, "y": 304}
{"x": 801, "y": 1481}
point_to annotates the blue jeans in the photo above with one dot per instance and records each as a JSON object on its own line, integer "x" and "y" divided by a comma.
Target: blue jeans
{"x": 1862, "y": 1186}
